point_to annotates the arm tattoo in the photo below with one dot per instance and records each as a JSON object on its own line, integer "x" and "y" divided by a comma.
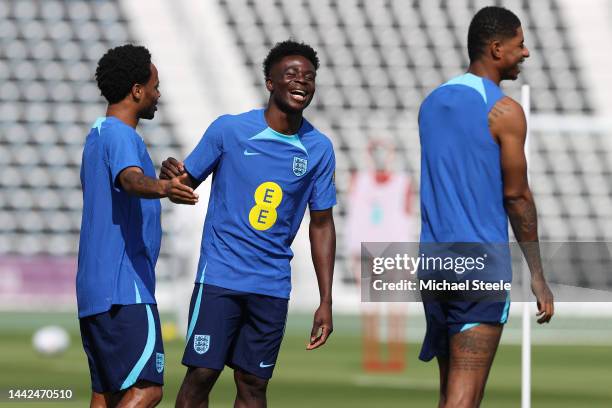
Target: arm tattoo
{"x": 142, "y": 185}
{"x": 523, "y": 217}
{"x": 499, "y": 109}
{"x": 524, "y": 220}
{"x": 144, "y": 182}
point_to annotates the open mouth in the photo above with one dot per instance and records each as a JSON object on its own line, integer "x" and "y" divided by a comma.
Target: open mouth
{"x": 298, "y": 95}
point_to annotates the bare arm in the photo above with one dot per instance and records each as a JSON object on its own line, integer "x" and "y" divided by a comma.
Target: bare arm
{"x": 508, "y": 124}
{"x": 322, "y": 232}
{"x": 135, "y": 182}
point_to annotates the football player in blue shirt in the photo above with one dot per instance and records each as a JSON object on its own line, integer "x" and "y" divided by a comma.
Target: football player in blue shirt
{"x": 473, "y": 180}
{"x": 267, "y": 165}
{"x": 121, "y": 236}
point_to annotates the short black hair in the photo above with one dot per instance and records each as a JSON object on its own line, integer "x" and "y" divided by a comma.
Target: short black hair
{"x": 286, "y": 48}
{"x": 120, "y": 68}
{"x": 490, "y": 23}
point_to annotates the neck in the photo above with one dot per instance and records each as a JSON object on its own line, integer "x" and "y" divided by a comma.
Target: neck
{"x": 485, "y": 70}
{"x": 123, "y": 113}
{"x": 282, "y": 122}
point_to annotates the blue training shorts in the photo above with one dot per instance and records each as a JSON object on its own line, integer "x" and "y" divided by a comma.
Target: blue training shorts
{"x": 447, "y": 318}
{"x": 241, "y": 330}
{"x": 123, "y": 346}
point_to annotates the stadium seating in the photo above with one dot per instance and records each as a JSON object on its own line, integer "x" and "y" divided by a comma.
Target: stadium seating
{"x": 48, "y": 101}
{"x": 379, "y": 60}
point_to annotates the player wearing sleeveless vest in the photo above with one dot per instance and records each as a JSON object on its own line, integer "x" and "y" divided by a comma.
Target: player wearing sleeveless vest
{"x": 473, "y": 179}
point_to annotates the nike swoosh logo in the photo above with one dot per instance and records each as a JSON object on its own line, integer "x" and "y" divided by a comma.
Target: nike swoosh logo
{"x": 247, "y": 153}
{"x": 262, "y": 365}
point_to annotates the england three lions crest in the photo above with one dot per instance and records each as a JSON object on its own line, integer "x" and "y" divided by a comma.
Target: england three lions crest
{"x": 159, "y": 362}
{"x": 201, "y": 343}
{"x": 299, "y": 166}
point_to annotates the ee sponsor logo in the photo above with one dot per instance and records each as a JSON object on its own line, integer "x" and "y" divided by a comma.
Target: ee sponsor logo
{"x": 268, "y": 197}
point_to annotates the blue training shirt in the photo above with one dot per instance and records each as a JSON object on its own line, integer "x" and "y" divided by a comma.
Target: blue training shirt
{"x": 120, "y": 233}
{"x": 262, "y": 182}
{"x": 461, "y": 178}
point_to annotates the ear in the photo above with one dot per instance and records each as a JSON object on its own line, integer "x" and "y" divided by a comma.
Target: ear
{"x": 495, "y": 48}
{"x": 137, "y": 92}
{"x": 269, "y": 84}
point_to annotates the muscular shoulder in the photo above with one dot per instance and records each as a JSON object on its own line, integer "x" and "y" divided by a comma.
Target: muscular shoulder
{"x": 507, "y": 117}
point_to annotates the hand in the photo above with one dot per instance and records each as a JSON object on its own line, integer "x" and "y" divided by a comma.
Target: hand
{"x": 171, "y": 168}
{"x": 322, "y": 326}
{"x": 179, "y": 193}
{"x": 544, "y": 297}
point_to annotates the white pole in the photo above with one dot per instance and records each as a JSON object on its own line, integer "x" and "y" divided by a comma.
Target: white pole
{"x": 526, "y": 342}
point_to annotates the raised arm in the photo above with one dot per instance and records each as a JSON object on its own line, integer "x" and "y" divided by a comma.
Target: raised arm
{"x": 322, "y": 232}
{"x": 509, "y": 126}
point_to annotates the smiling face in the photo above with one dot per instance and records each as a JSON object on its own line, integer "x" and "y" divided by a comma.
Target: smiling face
{"x": 512, "y": 53}
{"x": 292, "y": 83}
{"x": 149, "y": 95}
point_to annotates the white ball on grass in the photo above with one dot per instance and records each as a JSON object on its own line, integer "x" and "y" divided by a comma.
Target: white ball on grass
{"x": 51, "y": 340}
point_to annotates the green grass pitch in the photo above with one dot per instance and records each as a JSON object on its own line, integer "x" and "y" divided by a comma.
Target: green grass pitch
{"x": 563, "y": 376}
